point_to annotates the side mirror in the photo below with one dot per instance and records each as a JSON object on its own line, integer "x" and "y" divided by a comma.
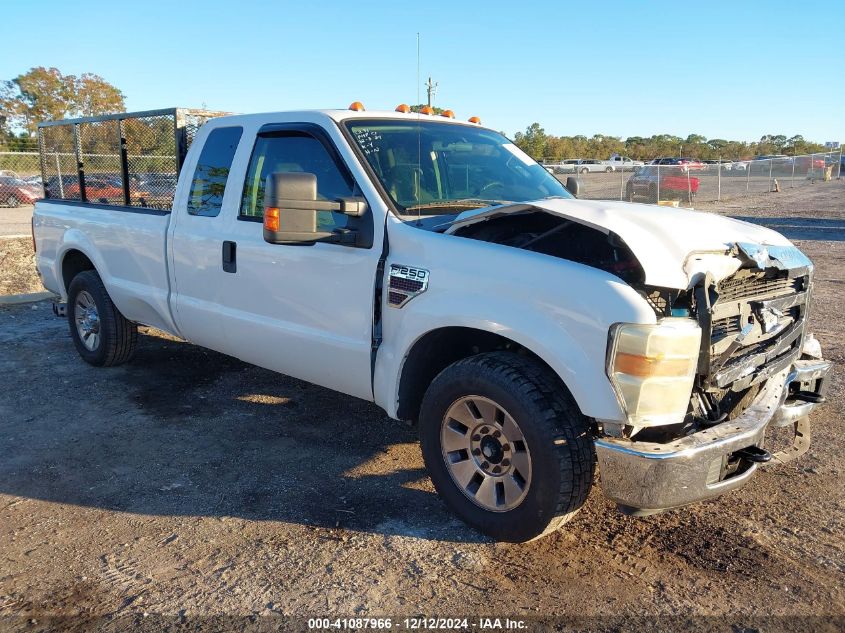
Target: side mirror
{"x": 573, "y": 185}
{"x": 290, "y": 210}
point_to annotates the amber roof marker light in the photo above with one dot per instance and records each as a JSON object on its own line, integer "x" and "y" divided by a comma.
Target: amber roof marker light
{"x": 448, "y": 114}
{"x": 357, "y": 106}
{"x": 475, "y": 119}
{"x": 404, "y": 108}
{"x": 426, "y": 109}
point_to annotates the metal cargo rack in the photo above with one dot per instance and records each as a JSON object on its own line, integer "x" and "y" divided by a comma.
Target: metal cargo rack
{"x": 126, "y": 159}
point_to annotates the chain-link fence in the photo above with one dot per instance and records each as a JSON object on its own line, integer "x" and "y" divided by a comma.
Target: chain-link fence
{"x": 20, "y": 164}
{"x": 155, "y": 143}
{"x": 130, "y": 159}
{"x": 686, "y": 181}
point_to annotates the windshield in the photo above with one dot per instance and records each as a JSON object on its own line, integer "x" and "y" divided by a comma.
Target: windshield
{"x": 432, "y": 168}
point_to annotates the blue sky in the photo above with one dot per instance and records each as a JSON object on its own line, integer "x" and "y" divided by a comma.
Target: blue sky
{"x": 722, "y": 69}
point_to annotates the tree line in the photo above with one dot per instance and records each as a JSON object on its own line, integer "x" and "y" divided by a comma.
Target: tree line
{"x": 540, "y": 145}
{"x": 45, "y": 94}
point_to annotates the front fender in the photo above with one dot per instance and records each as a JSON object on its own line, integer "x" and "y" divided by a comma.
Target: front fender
{"x": 559, "y": 310}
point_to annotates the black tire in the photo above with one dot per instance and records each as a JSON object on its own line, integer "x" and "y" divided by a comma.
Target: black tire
{"x": 608, "y": 170}
{"x": 118, "y": 337}
{"x": 585, "y": 170}
{"x": 13, "y": 202}
{"x": 556, "y": 433}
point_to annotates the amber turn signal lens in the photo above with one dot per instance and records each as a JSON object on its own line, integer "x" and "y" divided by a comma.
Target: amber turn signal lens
{"x": 426, "y": 110}
{"x": 403, "y": 107}
{"x": 475, "y": 119}
{"x": 448, "y": 114}
{"x": 357, "y": 106}
{"x": 647, "y": 366}
{"x": 271, "y": 218}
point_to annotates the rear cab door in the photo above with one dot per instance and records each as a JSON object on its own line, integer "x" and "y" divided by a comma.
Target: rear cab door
{"x": 198, "y": 230}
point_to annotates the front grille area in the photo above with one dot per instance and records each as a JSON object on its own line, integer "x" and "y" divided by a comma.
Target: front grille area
{"x": 757, "y": 285}
{"x": 725, "y": 327}
{"x": 756, "y": 325}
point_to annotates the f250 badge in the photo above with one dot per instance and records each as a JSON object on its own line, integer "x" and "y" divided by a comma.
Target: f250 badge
{"x": 406, "y": 282}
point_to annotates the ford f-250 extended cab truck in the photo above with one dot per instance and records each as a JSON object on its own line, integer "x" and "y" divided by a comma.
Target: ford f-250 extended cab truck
{"x": 430, "y": 266}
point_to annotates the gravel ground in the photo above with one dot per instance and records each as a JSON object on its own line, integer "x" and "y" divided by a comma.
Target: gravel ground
{"x": 188, "y": 486}
{"x": 17, "y": 267}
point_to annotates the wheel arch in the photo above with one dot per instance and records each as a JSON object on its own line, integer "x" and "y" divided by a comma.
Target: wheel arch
{"x": 435, "y": 350}
{"x": 73, "y": 262}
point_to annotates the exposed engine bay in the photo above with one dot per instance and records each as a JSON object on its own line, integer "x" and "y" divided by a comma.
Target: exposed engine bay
{"x": 552, "y": 235}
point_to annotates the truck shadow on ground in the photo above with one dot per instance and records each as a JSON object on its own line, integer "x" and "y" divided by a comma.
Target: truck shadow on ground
{"x": 185, "y": 431}
{"x": 823, "y": 229}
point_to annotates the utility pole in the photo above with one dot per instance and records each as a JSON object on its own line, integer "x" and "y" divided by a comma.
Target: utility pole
{"x": 431, "y": 89}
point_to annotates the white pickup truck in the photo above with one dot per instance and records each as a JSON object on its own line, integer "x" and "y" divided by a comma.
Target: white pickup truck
{"x": 430, "y": 266}
{"x": 622, "y": 163}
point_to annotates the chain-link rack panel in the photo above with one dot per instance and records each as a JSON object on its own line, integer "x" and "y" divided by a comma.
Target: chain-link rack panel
{"x": 190, "y": 121}
{"x": 151, "y": 160}
{"x": 99, "y": 152}
{"x": 57, "y": 147}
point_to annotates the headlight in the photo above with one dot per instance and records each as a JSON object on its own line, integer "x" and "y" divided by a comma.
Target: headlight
{"x": 652, "y": 368}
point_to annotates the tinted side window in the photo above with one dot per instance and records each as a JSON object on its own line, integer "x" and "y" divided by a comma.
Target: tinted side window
{"x": 215, "y": 161}
{"x": 295, "y": 153}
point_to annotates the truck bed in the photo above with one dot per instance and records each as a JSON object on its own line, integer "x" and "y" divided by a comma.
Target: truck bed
{"x": 130, "y": 254}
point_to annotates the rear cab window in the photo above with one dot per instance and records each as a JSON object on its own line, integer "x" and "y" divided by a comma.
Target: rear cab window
{"x": 212, "y": 171}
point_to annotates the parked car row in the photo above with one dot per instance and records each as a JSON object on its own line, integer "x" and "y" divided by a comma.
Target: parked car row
{"x": 15, "y": 191}
{"x": 582, "y": 166}
{"x": 108, "y": 188}
{"x": 779, "y": 164}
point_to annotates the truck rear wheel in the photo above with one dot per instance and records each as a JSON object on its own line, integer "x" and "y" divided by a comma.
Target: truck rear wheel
{"x": 102, "y": 335}
{"x": 506, "y": 446}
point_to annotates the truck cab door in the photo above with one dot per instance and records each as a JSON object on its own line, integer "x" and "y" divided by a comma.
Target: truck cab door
{"x": 198, "y": 227}
{"x": 302, "y": 310}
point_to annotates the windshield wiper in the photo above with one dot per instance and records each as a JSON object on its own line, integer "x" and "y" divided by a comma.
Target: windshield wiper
{"x": 465, "y": 203}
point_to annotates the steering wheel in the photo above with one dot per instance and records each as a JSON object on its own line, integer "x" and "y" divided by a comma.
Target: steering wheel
{"x": 490, "y": 185}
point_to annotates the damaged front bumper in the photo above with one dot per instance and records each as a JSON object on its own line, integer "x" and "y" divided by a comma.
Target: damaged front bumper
{"x": 647, "y": 477}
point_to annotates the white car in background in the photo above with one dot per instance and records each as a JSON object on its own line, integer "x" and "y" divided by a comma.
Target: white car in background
{"x": 583, "y": 166}
{"x": 723, "y": 164}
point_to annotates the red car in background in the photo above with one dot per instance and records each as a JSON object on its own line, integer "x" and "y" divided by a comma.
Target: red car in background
{"x": 14, "y": 192}
{"x": 805, "y": 163}
{"x": 672, "y": 183}
{"x": 691, "y": 164}
{"x": 102, "y": 189}
{"x": 684, "y": 164}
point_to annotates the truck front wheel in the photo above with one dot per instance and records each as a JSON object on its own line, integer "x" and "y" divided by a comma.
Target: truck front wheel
{"x": 506, "y": 446}
{"x": 102, "y": 335}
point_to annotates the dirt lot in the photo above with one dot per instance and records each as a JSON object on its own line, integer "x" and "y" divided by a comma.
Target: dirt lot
{"x": 17, "y": 267}
{"x": 188, "y": 485}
